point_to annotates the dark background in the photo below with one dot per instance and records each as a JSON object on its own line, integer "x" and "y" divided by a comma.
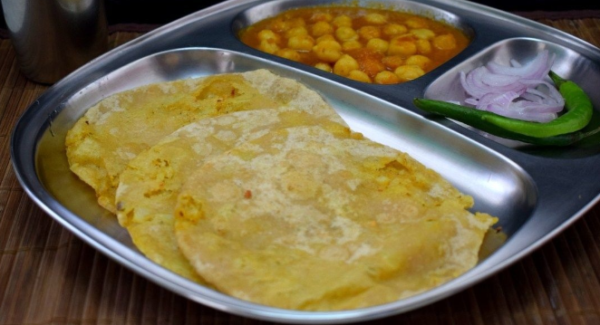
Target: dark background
{"x": 164, "y": 11}
{"x": 161, "y": 11}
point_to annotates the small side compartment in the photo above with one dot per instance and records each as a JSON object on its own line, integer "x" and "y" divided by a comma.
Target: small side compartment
{"x": 567, "y": 63}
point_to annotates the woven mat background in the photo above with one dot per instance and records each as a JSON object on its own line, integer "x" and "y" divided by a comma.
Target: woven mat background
{"x": 49, "y": 276}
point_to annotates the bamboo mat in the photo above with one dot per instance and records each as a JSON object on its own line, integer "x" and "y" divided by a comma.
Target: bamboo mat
{"x": 49, "y": 276}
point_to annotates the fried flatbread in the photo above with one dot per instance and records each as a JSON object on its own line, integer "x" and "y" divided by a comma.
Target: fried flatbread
{"x": 314, "y": 219}
{"x": 149, "y": 186}
{"x": 119, "y": 127}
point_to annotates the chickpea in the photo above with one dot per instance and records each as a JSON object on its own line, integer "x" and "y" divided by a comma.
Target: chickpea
{"x": 444, "y": 42}
{"x": 327, "y": 37}
{"x": 416, "y": 23}
{"x": 297, "y": 22}
{"x": 409, "y": 72}
{"x": 344, "y": 65}
{"x": 296, "y": 31}
{"x": 390, "y": 30}
{"x": 364, "y": 45}
{"x": 321, "y": 28}
{"x": 371, "y": 65}
{"x": 406, "y": 37}
{"x": 342, "y": 21}
{"x": 359, "y": 76}
{"x": 351, "y": 45}
{"x": 346, "y": 34}
{"x": 323, "y": 66}
{"x": 392, "y": 62}
{"x": 402, "y": 47}
{"x": 418, "y": 60}
{"x": 301, "y": 43}
{"x": 267, "y": 34}
{"x": 280, "y": 25}
{"x": 378, "y": 45}
{"x": 368, "y": 32}
{"x": 386, "y": 78}
{"x": 289, "y": 54}
{"x": 328, "y": 51}
{"x": 423, "y": 33}
{"x": 423, "y": 46}
{"x": 321, "y": 16}
{"x": 375, "y": 18}
{"x": 268, "y": 46}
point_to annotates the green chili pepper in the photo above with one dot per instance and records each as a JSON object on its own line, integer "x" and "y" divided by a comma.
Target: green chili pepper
{"x": 564, "y": 130}
{"x": 471, "y": 116}
{"x": 578, "y": 115}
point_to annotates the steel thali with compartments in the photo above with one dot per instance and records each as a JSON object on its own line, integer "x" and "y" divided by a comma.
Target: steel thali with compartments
{"x": 535, "y": 192}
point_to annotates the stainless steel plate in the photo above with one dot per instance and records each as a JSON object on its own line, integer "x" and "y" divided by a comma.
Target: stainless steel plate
{"x": 535, "y": 192}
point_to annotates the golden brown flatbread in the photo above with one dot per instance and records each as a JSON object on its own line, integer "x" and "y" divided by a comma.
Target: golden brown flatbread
{"x": 119, "y": 127}
{"x": 149, "y": 186}
{"x": 313, "y": 218}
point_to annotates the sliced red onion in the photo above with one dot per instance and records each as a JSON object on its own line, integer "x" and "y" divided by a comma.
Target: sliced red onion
{"x": 494, "y": 80}
{"x": 517, "y": 91}
{"x": 534, "y": 95}
{"x": 553, "y": 93}
{"x": 501, "y": 100}
{"x": 534, "y": 98}
{"x": 474, "y": 83}
{"x": 533, "y": 107}
{"x": 527, "y": 116}
{"x": 514, "y": 63}
{"x": 471, "y": 101}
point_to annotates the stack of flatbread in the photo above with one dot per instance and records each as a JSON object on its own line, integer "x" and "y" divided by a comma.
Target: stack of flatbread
{"x": 251, "y": 184}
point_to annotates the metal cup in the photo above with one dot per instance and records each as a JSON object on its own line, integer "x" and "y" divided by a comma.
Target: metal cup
{"x": 54, "y": 37}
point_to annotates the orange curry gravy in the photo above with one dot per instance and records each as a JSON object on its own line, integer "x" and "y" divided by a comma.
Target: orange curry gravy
{"x": 369, "y": 45}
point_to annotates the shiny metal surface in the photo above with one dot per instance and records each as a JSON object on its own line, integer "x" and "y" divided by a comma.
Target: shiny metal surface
{"x": 54, "y": 37}
{"x": 536, "y": 193}
{"x": 272, "y": 8}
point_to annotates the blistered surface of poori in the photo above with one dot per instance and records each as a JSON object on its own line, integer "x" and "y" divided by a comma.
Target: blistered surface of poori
{"x": 321, "y": 219}
{"x": 115, "y": 130}
{"x": 149, "y": 186}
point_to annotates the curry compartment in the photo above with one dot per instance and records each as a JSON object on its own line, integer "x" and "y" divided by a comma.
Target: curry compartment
{"x": 366, "y": 42}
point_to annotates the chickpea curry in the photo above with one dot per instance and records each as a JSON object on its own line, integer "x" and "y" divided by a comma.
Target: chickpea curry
{"x": 368, "y": 45}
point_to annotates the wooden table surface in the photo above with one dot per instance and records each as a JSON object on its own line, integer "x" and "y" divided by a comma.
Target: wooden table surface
{"x": 49, "y": 276}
